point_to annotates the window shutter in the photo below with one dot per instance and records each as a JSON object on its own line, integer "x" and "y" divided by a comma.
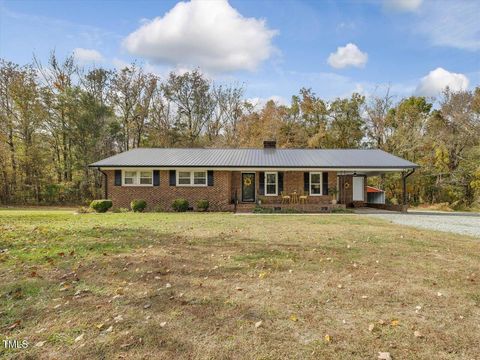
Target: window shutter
{"x": 325, "y": 183}
{"x": 306, "y": 181}
{"x": 156, "y": 177}
{"x": 261, "y": 183}
{"x": 280, "y": 182}
{"x": 118, "y": 177}
{"x": 173, "y": 179}
{"x": 210, "y": 177}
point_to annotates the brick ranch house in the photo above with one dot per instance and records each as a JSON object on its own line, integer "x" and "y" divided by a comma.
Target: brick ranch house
{"x": 238, "y": 179}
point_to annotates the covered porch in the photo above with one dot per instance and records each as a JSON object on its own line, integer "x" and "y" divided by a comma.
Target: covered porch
{"x": 315, "y": 190}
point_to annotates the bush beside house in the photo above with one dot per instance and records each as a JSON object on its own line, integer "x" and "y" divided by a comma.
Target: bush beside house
{"x": 138, "y": 205}
{"x": 180, "y": 205}
{"x": 202, "y": 205}
{"x": 101, "y": 206}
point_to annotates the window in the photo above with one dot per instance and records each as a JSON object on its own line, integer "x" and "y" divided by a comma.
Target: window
{"x": 137, "y": 178}
{"x": 315, "y": 183}
{"x": 184, "y": 178}
{"x": 191, "y": 178}
{"x": 271, "y": 183}
{"x": 146, "y": 178}
{"x": 200, "y": 178}
{"x": 129, "y": 177}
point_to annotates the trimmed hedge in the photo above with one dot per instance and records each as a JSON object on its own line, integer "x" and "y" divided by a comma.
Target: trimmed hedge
{"x": 138, "y": 205}
{"x": 180, "y": 205}
{"x": 101, "y": 206}
{"x": 202, "y": 205}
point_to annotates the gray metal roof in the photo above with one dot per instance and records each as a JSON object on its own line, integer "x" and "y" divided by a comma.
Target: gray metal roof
{"x": 256, "y": 158}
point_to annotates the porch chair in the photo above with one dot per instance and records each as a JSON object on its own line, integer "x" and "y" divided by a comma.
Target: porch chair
{"x": 303, "y": 198}
{"x": 285, "y": 197}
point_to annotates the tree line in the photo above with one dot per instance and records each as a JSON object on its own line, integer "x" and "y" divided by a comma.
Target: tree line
{"x": 57, "y": 118}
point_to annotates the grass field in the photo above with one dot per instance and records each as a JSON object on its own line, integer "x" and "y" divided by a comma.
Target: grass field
{"x": 220, "y": 286}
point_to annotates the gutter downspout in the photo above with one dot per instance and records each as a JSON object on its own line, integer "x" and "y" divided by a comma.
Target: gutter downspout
{"x": 404, "y": 180}
{"x": 105, "y": 183}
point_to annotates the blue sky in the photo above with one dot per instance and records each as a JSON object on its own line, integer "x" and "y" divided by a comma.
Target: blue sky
{"x": 273, "y": 47}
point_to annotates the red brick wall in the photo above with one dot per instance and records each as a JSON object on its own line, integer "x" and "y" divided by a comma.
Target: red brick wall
{"x": 226, "y": 183}
{"x": 219, "y": 195}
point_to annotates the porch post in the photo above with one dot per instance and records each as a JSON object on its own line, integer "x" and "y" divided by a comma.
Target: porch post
{"x": 405, "y": 175}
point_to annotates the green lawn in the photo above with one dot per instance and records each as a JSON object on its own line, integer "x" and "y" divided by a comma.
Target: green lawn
{"x": 194, "y": 286}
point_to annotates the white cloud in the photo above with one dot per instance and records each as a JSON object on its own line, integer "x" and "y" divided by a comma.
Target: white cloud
{"x": 437, "y": 80}
{"x": 84, "y": 56}
{"x": 120, "y": 64}
{"x": 453, "y": 24}
{"x": 209, "y": 34}
{"x": 348, "y": 55}
{"x": 258, "y": 102}
{"x": 402, "y": 5}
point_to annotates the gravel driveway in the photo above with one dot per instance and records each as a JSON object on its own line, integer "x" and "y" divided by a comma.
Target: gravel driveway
{"x": 459, "y": 223}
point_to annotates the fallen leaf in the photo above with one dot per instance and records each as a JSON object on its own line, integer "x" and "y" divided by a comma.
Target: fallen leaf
{"x": 258, "y": 324}
{"x": 371, "y": 327}
{"x": 168, "y": 285}
{"x": 14, "y": 325}
{"x": 394, "y": 322}
{"x": 417, "y": 334}
{"x": 146, "y": 306}
{"x": 293, "y": 318}
{"x": 79, "y": 338}
{"x": 238, "y": 288}
{"x": 327, "y": 338}
{"x": 99, "y": 326}
{"x": 162, "y": 324}
{"x": 40, "y": 343}
{"x": 384, "y": 356}
{"x": 110, "y": 329}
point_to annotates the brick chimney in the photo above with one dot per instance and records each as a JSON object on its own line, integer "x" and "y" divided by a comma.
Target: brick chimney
{"x": 270, "y": 144}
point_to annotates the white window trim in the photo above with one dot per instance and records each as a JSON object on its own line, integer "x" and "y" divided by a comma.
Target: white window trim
{"x": 276, "y": 183}
{"x": 191, "y": 178}
{"x": 136, "y": 179}
{"x": 310, "y": 183}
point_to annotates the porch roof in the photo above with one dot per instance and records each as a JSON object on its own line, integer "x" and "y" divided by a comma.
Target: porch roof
{"x": 257, "y": 158}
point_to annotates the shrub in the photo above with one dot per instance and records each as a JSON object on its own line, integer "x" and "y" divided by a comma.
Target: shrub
{"x": 138, "y": 205}
{"x": 180, "y": 205}
{"x": 202, "y": 205}
{"x": 101, "y": 206}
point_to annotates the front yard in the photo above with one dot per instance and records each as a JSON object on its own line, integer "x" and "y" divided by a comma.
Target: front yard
{"x": 220, "y": 286}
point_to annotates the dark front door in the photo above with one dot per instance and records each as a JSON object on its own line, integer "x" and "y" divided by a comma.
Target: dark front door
{"x": 248, "y": 187}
